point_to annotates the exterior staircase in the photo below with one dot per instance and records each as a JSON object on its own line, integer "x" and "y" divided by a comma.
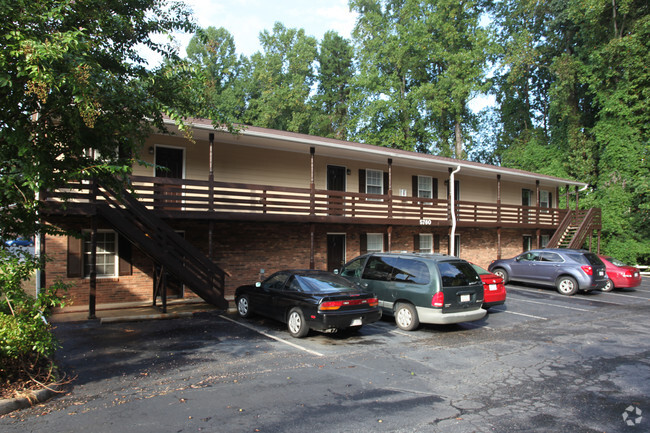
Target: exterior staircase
{"x": 158, "y": 240}
{"x": 575, "y": 227}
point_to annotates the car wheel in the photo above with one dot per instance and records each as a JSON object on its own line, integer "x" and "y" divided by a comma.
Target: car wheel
{"x": 609, "y": 286}
{"x": 296, "y": 323}
{"x": 500, "y": 272}
{"x": 567, "y": 286}
{"x": 406, "y": 317}
{"x": 243, "y": 306}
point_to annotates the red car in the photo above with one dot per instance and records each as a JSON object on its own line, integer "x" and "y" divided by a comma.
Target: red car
{"x": 619, "y": 274}
{"x": 493, "y": 288}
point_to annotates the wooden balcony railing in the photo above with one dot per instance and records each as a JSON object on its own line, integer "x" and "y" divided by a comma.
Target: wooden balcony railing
{"x": 186, "y": 198}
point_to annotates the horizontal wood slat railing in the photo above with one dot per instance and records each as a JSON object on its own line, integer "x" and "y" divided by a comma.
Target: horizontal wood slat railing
{"x": 219, "y": 199}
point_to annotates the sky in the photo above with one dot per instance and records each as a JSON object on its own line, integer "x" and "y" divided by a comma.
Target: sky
{"x": 245, "y": 19}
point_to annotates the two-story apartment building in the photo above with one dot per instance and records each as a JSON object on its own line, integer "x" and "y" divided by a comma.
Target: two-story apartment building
{"x": 264, "y": 200}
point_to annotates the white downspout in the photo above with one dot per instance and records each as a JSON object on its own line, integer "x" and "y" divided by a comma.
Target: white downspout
{"x": 452, "y": 201}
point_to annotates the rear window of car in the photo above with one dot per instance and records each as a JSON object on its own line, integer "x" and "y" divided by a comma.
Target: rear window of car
{"x": 455, "y": 274}
{"x": 321, "y": 284}
{"x": 586, "y": 259}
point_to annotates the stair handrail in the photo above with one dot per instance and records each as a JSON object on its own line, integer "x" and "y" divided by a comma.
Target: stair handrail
{"x": 583, "y": 229}
{"x": 559, "y": 232}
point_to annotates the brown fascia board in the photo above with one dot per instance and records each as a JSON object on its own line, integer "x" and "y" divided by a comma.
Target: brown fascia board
{"x": 369, "y": 152}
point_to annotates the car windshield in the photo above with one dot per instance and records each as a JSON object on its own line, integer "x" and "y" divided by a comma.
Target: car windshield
{"x": 458, "y": 274}
{"x": 324, "y": 284}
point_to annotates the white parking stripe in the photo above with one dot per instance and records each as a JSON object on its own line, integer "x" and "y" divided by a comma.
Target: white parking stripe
{"x": 273, "y": 337}
{"x": 577, "y": 299}
{"x": 546, "y": 303}
{"x": 626, "y": 296}
{"x": 392, "y": 331}
{"x": 521, "y": 314}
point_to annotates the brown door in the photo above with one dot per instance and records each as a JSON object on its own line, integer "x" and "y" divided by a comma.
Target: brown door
{"x": 336, "y": 182}
{"x": 335, "y": 252}
{"x": 169, "y": 165}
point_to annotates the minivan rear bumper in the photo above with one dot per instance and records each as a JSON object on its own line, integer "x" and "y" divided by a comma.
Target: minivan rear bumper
{"x": 437, "y": 317}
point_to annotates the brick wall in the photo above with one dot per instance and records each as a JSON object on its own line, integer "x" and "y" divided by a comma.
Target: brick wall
{"x": 242, "y": 249}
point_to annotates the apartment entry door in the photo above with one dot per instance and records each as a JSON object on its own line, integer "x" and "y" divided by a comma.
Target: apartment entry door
{"x": 336, "y": 182}
{"x": 335, "y": 251}
{"x": 169, "y": 165}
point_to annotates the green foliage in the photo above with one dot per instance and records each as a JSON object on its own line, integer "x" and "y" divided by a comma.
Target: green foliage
{"x": 25, "y": 337}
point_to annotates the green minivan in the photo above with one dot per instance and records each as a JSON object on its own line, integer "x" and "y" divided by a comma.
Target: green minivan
{"x": 420, "y": 288}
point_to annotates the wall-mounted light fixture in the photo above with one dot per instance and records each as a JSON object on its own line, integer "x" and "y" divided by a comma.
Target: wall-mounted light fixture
{"x": 151, "y": 150}
{"x": 349, "y": 172}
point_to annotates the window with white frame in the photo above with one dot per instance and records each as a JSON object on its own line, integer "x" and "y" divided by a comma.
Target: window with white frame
{"x": 426, "y": 243}
{"x": 374, "y": 182}
{"x": 375, "y": 242}
{"x": 545, "y": 199}
{"x": 425, "y": 187}
{"x": 106, "y": 259}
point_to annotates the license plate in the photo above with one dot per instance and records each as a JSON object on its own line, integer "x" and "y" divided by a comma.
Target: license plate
{"x": 465, "y": 298}
{"x": 492, "y": 287}
{"x": 356, "y": 322}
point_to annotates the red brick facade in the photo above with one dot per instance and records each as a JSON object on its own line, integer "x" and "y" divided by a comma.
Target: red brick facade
{"x": 243, "y": 249}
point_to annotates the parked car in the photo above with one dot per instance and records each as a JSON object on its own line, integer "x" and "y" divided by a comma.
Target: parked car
{"x": 420, "y": 288}
{"x": 494, "y": 291}
{"x": 20, "y": 242}
{"x": 308, "y": 299}
{"x": 620, "y": 275}
{"x": 567, "y": 270}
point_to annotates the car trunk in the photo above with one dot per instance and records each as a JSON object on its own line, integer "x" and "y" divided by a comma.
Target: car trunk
{"x": 461, "y": 286}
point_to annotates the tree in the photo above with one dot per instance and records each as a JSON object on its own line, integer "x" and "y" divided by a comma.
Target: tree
{"x": 420, "y": 62}
{"x": 71, "y": 79}
{"x": 332, "y": 96}
{"x": 281, "y": 80}
{"x": 212, "y": 51}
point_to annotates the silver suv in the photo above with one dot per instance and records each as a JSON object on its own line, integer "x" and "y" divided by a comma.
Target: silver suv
{"x": 565, "y": 269}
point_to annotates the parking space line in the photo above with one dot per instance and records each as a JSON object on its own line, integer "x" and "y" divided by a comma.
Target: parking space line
{"x": 392, "y": 331}
{"x": 578, "y": 299}
{"x": 521, "y": 314}
{"x": 313, "y": 352}
{"x": 626, "y": 296}
{"x": 552, "y": 305}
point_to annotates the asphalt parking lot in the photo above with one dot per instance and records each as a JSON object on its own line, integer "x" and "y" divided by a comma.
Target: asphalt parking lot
{"x": 543, "y": 362}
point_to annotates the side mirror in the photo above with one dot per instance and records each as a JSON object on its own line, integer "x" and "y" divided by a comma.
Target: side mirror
{"x": 258, "y": 284}
{"x": 336, "y": 271}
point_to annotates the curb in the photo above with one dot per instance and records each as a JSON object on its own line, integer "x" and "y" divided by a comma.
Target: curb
{"x": 30, "y": 399}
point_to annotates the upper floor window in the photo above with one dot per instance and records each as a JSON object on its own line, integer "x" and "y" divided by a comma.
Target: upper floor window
{"x": 425, "y": 187}
{"x": 545, "y": 199}
{"x": 374, "y": 182}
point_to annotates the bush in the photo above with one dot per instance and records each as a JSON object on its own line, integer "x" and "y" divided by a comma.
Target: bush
{"x": 26, "y": 341}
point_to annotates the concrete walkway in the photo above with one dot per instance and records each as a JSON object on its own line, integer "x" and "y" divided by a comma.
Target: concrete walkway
{"x": 134, "y": 311}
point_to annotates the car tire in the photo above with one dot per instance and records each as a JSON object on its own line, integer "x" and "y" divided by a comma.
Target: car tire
{"x": 609, "y": 286}
{"x": 296, "y": 323}
{"x": 567, "y": 286}
{"x": 406, "y": 317}
{"x": 244, "y": 306}
{"x": 500, "y": 272}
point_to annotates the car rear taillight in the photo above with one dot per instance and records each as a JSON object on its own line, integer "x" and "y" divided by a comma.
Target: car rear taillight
{"x": 438, "y": 300}
{"x": 335, "y": 305}
{"x": 587, "y": 270}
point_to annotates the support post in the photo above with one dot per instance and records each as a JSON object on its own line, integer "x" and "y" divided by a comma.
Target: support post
{"x": 312, "y": 185}
{"x": 312, "y": 246}
{"x": 92, "y": 295}
{"x": 211, "y": 192}
{"x": 390, "y": 188}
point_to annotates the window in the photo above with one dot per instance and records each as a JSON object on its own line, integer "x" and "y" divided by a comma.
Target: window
{"x": 379, "y": 269}
{"x": 353, "y": 268}
{"x": 426, "y": 243}
{"x": 454, "y": 274}
{"x": 425, "y": 187}
{"x": 551, "y": 257}
{"x": 375, "y": 243}
{"x": 374, "y": 182}
{"x": 544, "y": 241}
{"x": 106, "y": 257}
{"x": 545, "y": 199}
{"x": 411, "y": 271}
